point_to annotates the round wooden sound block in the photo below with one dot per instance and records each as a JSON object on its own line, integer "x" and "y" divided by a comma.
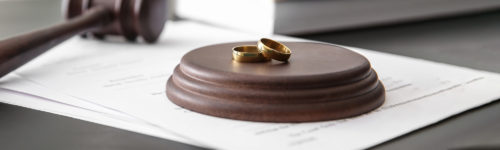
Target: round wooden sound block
{"x": 319, "y": 82}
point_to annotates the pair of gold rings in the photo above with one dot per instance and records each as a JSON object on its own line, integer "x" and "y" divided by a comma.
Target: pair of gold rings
{"x": 265, "y": 50}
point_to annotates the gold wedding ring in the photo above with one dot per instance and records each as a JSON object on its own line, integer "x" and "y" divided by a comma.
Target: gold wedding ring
{"x": 248, "y": 53}
{"x": 275, "y": 50}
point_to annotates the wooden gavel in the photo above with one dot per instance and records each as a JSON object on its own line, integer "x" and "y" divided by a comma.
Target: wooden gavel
{"x": 128, "y": 18}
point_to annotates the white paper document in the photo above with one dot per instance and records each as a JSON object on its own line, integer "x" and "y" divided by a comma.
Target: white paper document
{"x": 22, "y": 92}
{"x": 127, "y": 81}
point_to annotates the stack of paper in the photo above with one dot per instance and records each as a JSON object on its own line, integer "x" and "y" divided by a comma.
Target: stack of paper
{"x": 123, "y": 85}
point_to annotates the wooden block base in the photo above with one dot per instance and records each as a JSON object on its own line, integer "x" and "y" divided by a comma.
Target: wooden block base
{"x": 320, "y": 82}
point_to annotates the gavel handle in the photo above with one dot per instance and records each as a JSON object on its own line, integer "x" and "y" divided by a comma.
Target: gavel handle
{"x": 18, "y": 50}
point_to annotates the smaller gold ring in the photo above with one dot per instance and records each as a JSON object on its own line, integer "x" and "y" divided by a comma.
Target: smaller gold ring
{"x": 273, "y": 49}
{"x": 248, "y": 53}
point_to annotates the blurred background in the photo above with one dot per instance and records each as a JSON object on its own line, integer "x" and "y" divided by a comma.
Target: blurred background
{"x": 460, "y": 32}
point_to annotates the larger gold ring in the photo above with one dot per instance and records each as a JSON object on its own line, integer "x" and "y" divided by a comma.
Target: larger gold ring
{"x": 275, "y": 50}
{"x": 248, "y": 53}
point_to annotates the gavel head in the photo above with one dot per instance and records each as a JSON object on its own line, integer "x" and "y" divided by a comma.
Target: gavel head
{"x": 131, "y": 18}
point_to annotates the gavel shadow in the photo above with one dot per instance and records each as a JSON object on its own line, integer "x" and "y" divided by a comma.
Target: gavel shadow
{"x": 161, "y": 42}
